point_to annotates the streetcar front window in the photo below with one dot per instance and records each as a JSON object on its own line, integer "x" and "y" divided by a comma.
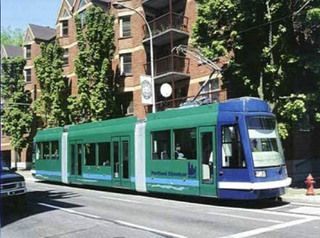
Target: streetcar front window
{"x": 265, "y": 142}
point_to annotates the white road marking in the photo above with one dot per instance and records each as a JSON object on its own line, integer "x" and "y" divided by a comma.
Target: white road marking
{"x": 243, "y": 217}
{"x": 279, "y": 207}
{"x": 150, "y": 229}
{"x": 306, "y": 210}
{"x": 305, "y": 204}
{"x": 120, "y": 199}
{"x": 69, "y": 211}
{"x": 268, "y": 229}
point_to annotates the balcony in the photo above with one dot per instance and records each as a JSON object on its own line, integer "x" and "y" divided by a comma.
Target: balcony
{"x": 162, "y": 26}
{"x": 157, "y": 4}
{"x": 166, "y": 67}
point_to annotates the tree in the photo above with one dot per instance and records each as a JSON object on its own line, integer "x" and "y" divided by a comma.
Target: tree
{"x": 12, "y": 37}
{"x": 273, "y": 50}
{"x": 52, "y": 105}
{"x": 96, "y": 80}
{"x": 16, "y": 114}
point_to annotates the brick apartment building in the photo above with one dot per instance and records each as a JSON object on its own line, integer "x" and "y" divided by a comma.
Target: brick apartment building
{"x": 171, "y": 23}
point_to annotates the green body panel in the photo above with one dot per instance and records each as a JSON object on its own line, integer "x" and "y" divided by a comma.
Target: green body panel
{"x": 97, "y": 132}
{"x": 179, "y": 176}
{"x": 49, "y": 169}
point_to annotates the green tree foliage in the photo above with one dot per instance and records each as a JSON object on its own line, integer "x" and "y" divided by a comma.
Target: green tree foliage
{"x": 273, "y": 49}
{"x": 12, "y": 36}
{"x": 52, "y": 105}
{"x": 16, "y": 114}
{"x": 96, "y": 82}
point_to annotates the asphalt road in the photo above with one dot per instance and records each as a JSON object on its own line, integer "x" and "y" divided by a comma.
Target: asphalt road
{"x": 64, "y": 211}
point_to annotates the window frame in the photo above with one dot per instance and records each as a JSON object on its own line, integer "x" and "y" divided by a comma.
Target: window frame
{"x": 124, "y": 33}
{"x": 27, "y": 51}
{"x": 65, "y": 28}
{"x": 28, "y": 75}
{"x": 65, "y": 57}
{"x": 123, "y": 64}
{"x": 239, "y": 141}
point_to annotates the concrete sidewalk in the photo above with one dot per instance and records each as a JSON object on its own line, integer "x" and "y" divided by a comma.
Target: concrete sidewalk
{"x": 293, "y": 194}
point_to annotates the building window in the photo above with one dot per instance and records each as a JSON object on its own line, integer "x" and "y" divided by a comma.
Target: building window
{"x": 126, "y": 64}
{"x": 185, "y": 144}
{"x": 66, "y": 57}
{"x": 82, "y": 16}
{"x": 65, "y": 28}
{"x": 28, "y": 51}
{"x": 232, "y": 152}
{"x": 125, "y": 26}
{"x": 28, "y": 75}
{"x": 161, "y": 145}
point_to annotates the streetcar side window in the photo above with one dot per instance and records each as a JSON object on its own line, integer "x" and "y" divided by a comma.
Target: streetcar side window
{"x": 104, "y": 153}
{"x": 39, "y": 151}
{"x": 46, "y": 150}
{"x": 54, "y": 150}
{"x": 161, "y": 142}
{"x": 185, "y": 142}
{"x": 232, "y": 151}
{"x": 90, "y": 154}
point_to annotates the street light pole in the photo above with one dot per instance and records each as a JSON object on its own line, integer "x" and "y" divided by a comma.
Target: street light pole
{"x": 117, "y": 5}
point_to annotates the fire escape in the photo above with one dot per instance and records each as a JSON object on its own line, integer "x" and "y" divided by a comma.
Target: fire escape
{"x": 169, "y": 27}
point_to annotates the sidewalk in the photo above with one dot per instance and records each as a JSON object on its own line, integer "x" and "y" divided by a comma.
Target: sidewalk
{"x": 293, "y": 194}
{"x": 298, "y": 195}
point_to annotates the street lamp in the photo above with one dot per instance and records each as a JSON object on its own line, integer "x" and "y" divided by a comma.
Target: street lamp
{"x": 118, "y": 5}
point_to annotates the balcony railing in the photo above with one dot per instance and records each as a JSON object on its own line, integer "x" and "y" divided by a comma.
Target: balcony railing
{"x": 217, "y": 95}
{"x": 170, "y": 20}
{"x": 170, "y": 63}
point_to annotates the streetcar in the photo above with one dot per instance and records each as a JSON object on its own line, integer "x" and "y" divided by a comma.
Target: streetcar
{"x": 228, "y": 150}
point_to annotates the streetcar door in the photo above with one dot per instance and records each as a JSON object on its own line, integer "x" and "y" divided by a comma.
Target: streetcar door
{"x": 120, "y": 162}
{"x": 208, "y": 161}
{"x": 75, "y": 160}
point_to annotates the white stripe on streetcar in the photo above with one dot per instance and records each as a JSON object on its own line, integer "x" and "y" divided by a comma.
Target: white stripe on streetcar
{"x": 268, "y": 229}
{"x": 69, "y": 210}
{"x": 243, "y": 217}
{"x": 150, "y": 229}
{"x": 120, "y": 199}
{"x": 255, "y": 186}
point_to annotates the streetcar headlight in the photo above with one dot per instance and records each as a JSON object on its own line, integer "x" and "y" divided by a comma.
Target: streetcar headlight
{"x": 260, "y": 173}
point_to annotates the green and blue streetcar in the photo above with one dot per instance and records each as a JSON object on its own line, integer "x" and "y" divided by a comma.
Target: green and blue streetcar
{"x": 228, "y": 150}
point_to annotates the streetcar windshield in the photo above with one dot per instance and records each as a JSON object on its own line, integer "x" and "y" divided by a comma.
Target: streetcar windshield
{"x": 265, "y": 142}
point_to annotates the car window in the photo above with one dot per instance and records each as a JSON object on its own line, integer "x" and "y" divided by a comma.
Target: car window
{"x": 4, "y": 166}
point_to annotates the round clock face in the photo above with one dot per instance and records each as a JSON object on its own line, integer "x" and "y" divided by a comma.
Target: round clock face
{"x": 146, "y": 89}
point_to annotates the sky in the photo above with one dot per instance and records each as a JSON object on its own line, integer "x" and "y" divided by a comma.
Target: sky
{"x": 19, "y": 13}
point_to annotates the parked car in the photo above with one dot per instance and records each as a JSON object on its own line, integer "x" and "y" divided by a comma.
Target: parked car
{"x": 13, "y": 187}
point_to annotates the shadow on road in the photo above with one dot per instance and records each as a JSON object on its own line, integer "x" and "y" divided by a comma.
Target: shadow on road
{"x": 252, "y": 204}
{"x": 9, "y": 214}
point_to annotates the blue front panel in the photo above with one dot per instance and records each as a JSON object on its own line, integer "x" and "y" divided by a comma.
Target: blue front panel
{"x": 234, "y": 112}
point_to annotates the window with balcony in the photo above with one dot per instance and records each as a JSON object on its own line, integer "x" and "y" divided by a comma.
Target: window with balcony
{"x": 126, "y": 64}
{"x": 28, "y": 51}
{"x": 125, "y": 26}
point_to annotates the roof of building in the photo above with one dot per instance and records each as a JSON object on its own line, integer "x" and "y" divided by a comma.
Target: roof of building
{"x": 42, "y": 32}
{"x": 12, "y": 51}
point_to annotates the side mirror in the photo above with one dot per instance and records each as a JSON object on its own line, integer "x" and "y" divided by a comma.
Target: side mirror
{"x": 14, "y": 169}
